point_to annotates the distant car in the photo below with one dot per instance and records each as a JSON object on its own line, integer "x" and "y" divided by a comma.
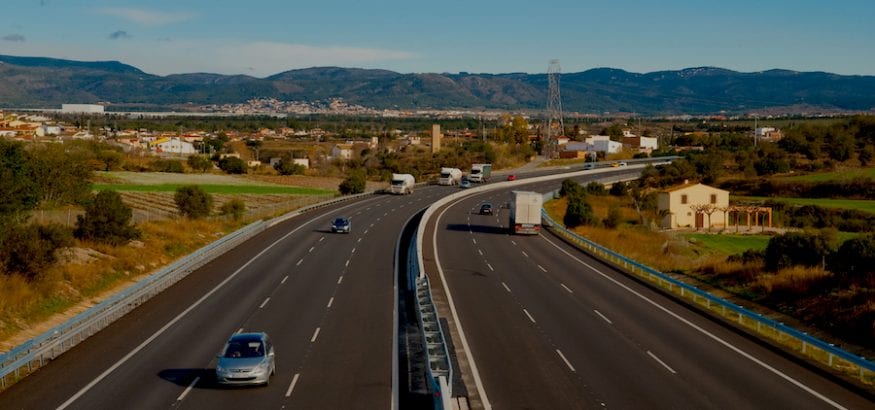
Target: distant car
{"x": 615, "y": 164}
{"x": 486, "y": 209}
{"x": 340, "y": 224}
{"x": 465, "y": 184}
{"x": 622, "y": 164}
{"x": 511, "y": 177}
{"x": 589, "y": 165}
{"x": 246, "y": 359}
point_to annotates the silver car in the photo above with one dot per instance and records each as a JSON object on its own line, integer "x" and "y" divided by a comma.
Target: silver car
{"x": 247, "y": 359}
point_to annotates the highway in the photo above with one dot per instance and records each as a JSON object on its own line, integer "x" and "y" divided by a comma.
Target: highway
{"x": 325, "y": 299}
{"x": 549, "y": 327}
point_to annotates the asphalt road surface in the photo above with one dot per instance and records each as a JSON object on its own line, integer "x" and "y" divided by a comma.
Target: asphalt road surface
{"x": 551, "y": 328}
{"x": 325, "y": 299}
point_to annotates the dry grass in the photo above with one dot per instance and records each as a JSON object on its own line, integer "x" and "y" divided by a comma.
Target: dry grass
{"x": 26, "y": 308}
{"x": 796, "y": 280}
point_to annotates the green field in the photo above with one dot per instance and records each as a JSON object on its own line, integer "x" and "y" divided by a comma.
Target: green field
{"x": 217, "y": 189}
{"x": 858, "y": 204}
{"x": 729, "y": 244}
{"x": 833, "y": 176}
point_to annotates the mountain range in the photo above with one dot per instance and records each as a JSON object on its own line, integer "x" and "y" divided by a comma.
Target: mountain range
{"x": 36, "y": 82}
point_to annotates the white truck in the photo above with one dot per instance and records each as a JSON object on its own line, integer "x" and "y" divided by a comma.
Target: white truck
{"x": 480, "y": 172}
{"x": 450, "y": 176}
{"x": 402, "y": 184}
{"x": 525, "y": 212}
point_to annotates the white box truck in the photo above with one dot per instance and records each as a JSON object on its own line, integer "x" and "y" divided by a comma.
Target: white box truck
{"x": 480, "y": 172}
{"x": 402, "y": 184}
{"x": 525, "y": 212}
{"x": 450, "y": 176}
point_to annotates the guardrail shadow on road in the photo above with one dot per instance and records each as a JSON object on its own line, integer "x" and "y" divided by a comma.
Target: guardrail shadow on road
{"x": 488, "y": 229}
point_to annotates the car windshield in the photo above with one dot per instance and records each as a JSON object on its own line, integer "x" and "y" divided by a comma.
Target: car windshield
{"x": 244, "y": 348}
{"x": 340, "y": 221}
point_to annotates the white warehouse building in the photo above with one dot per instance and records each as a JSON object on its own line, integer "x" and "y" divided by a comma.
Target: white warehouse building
{"x": 82, "y": 109}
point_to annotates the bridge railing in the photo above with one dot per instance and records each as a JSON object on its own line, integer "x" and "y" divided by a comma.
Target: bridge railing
{"x": 33, "y": 354}
{"x": 796, "y": 341}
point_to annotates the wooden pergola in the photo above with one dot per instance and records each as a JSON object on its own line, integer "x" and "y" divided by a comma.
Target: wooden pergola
{"x": 748, "y": 211}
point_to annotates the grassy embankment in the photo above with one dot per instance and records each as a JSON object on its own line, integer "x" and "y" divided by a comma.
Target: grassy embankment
{"x": 93, "y": 270}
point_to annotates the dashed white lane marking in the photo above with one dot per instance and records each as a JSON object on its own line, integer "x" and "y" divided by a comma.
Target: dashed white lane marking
{"x": 480, "y": 252}
{"x": 353, "y": 250}
{"x": 386, "y": 214}
{"x": 371, "y": 226}
{"x": 359, "y": 240}
{"x": 299, "y": 262}
{"x": 529, "y": 315}
{"x": 542, "y": 268}
{"x": 366, "y": 231}
{"x": 513, "y": 242}
{"x": 649, "y": 353}
{"x": 330, "y": 301}
{"x": 263, "y": 304}
{"x": 567, "y": 288}
{"x": 339, "y": 280}
{"x": 292, "y": 385}
{"x": 603, "y": 317}
{"x": 490, "y": 267}
{"x": 347, "y": 263}
{"x": 474, "y": 240}
{"x": 284, "y": 279}
{"x": 701, "y": 330}
{"x": 525, "y": 254}
{"x": 506, "y": 287}
{"x": 188, "y": 389}
{"x": 311, "y": 249}
{"x": 315, "y": 335}
{"x": 321, "y": 239}
{"x": 567, "y": 363}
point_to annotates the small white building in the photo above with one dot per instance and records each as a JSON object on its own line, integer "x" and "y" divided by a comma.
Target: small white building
{"x": 46, "y": 130}
{"x": 169, "y": 146}
{"x": 342, "y": 151}
{"x": 693, "y": 206}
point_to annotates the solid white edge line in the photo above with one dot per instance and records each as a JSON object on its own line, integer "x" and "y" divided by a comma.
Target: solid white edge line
{"x": 330, "y": 301}
{"x": 264, "y": 303}
{"x": 465, "y": 346}
{"x": 705, "y": 332}
{"x": 567, "y": 288}
{"x": 564, "y": 359}
{"x": 605, "y": 318}
{"x": 178, "y": 317}
{"x": 506, "y": 287}
{"x": 292, "y": 385}
{"x": 649, "y": 353}
{"x": 315, "y": 335}
{"x": 529, "y": 315}
{"x": 188, "y": 389}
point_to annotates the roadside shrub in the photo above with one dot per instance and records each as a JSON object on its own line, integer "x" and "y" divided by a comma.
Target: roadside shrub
{"x": 289, "y": 168}
{"x": 570, "y": 187}
{"x": 235, "y": 208}
{"x": 232, "y": 165}
{"x": 354, "y": 183}
{"x": 596, "y": 188}
{"x": 107, "y": 219}
{"x": 613, "y": 219}
{"x": 27, "y": 250}
{"x": 199, "y": 163}
{"x": 167, "y": 165}
{"x": 578, "y": 211}
{"x": 618, "y": 189}
{"x": 193, "y": 202}
{"x": 854, "y": 261}
{"x": 797, "y": 248}
{"x": 748, "y": 256}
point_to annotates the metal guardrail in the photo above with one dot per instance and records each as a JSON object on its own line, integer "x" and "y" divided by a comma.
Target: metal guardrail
{"x": 437, "y": 355}
{"x": 797, "y": 341}
{"x": 33, "y": 354}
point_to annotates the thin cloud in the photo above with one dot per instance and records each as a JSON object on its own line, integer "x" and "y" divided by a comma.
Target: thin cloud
{"x": 146, "y": 17}
{"x": 15, "y": 38}
{"x": 119, "y": 35}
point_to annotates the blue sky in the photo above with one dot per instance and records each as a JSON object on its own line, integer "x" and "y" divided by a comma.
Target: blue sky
{"x": 264, "y": 37}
